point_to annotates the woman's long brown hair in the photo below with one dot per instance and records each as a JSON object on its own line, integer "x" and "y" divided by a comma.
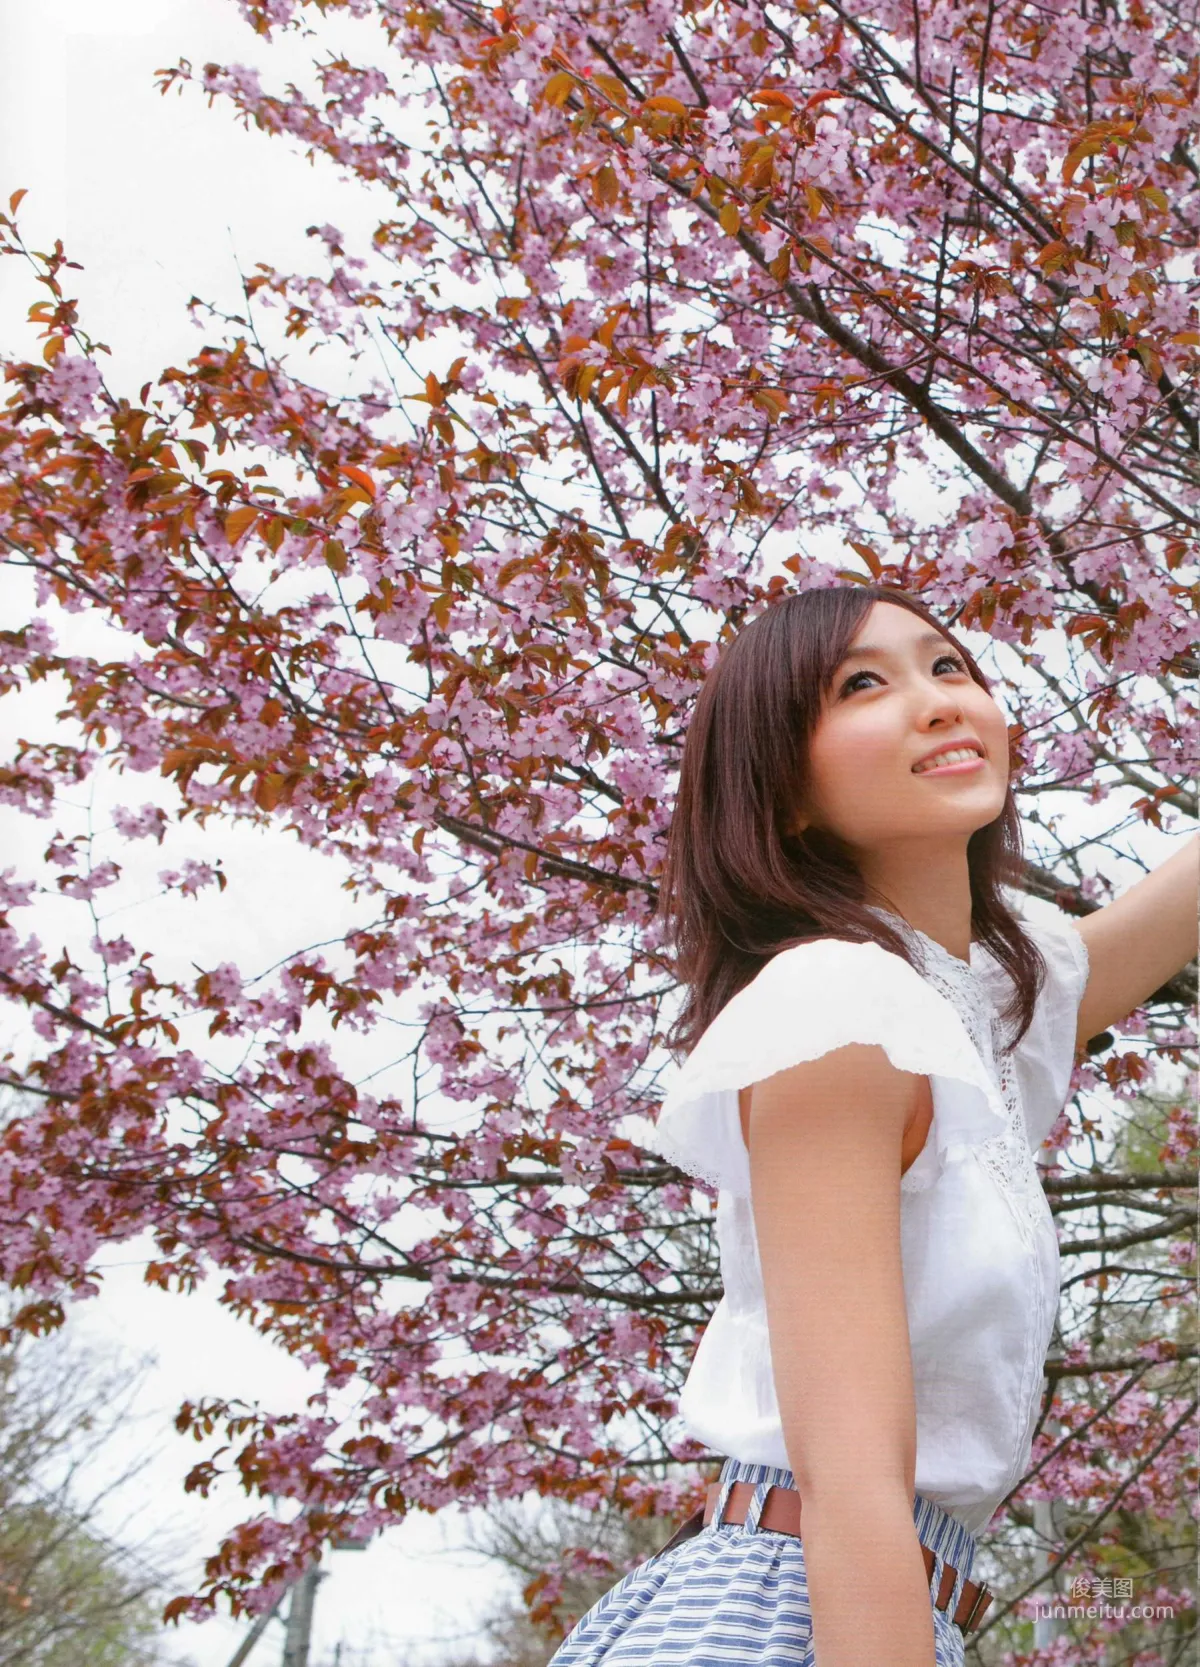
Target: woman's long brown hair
{"x": 737, "y": 886}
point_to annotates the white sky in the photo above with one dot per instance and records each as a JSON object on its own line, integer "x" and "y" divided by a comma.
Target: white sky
{"x": 160, "y": 199}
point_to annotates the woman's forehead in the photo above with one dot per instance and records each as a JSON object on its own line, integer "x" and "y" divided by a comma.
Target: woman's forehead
{"x": 888, "y": 626}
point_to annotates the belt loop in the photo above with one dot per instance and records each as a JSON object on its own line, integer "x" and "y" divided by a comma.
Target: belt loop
{"x": 946, "y": 1601}
{"x": 757, "y": 1505}
{"x": 725, "y": 1484}
{"x": 960, "y": 1581}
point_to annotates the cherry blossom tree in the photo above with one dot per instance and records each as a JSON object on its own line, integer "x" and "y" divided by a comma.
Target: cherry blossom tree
{"x": 420, "y": 561}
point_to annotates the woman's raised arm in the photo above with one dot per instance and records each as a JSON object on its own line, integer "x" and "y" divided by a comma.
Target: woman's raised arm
{"x": 1139, "y": 941}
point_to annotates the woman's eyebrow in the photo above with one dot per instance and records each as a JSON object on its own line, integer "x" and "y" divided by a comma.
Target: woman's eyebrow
{"x": 870, "y": 651}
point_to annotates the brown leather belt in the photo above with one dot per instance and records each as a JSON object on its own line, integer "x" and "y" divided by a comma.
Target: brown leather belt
{"x": 781, "y": 1515}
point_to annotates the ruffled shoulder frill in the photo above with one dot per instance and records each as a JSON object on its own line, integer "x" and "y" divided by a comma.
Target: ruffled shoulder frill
{"x": 805, "y": 1002}
{"x": 1044, "y": 1057}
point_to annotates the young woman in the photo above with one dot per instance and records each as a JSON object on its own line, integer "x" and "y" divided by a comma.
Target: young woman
{"x": 879, "y": 1045}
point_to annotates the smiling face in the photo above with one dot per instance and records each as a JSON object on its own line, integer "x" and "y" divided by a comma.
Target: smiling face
{"x": 902, "y": 693}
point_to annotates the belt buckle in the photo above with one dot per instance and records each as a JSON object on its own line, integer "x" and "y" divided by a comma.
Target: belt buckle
{"x": 982, "y": 1598}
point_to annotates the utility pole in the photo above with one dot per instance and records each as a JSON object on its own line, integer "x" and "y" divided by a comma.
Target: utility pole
{"x": 302, "y": 1595}
{"x": 1046, "y": 1526}
{"x": 298, "y": 1640}
{"x": 242, "y": 1653}
{"x": 1047, "y": 1627}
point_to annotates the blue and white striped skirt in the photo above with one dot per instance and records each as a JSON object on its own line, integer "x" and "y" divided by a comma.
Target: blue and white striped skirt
{"x": 736, "y": 1594}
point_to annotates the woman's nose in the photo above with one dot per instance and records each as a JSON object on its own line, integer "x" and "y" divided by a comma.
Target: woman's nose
{"x": 939, "y": 702}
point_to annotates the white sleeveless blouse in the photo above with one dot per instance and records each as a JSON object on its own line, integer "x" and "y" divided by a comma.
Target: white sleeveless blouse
{"x": 978, "y": 1243}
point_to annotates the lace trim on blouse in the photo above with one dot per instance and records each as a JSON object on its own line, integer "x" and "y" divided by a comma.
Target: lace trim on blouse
{"x": 1006, "y": 1156}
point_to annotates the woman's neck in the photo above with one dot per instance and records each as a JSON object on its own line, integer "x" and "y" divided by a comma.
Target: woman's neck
{"x": 940, "y": 913}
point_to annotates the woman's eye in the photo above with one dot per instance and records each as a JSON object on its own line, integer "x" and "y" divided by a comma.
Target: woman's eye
{"x": 954, "y": 661}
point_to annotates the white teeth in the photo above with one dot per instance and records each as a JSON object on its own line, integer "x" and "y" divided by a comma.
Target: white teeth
{"x": 954, "y": 756}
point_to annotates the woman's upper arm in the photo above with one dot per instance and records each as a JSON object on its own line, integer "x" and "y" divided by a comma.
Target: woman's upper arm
{"x": 1138, "y": 942}
{"x": 825, "y": 1162}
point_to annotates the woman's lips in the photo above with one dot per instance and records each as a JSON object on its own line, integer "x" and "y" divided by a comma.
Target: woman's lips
{"x": 963, "y": 766}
